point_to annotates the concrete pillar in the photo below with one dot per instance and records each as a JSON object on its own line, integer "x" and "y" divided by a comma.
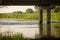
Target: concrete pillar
{"x": 48, "y": 8}
{"x": 49, "y": 22}
{"x": 41, "y": 23}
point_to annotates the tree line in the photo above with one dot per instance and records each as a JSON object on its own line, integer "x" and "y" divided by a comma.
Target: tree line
{"x": 29, "y": 10}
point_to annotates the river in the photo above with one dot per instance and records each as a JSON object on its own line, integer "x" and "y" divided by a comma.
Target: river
{"x": 28, "y": 28}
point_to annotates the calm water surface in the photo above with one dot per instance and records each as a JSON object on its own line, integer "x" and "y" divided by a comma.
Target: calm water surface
{"x": 27, "y": 30}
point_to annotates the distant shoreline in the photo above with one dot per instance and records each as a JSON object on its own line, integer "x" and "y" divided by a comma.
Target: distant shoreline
{"x": 16, "y": 19}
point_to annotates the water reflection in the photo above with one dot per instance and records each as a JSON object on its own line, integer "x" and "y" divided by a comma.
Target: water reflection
{"x": 27, "y": 30}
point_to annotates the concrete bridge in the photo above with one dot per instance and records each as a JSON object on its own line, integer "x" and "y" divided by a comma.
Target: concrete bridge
{"x": 43, "y": 4}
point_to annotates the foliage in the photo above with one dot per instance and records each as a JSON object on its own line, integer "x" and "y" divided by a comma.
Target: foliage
{"x": 57, "y": 9}
{"x": 13, "y": 37}
{"x": 29, "y": 10}
{"x": 26, "y": 16}
{"x": 33, "y": 16}
{"x": 17, "y": 12}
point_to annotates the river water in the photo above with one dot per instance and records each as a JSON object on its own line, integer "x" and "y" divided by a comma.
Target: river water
{"x": 26, "y": 29}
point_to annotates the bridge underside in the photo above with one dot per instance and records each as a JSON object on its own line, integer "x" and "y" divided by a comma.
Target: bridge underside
{"x": 48, "y": 5}
{"x": 30, "y": 2}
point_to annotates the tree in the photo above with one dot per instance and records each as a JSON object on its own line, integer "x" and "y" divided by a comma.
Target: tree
{"x": 29, "y": 10}
{"x": 57, "y": 9}
{"x": 17, "y": 12}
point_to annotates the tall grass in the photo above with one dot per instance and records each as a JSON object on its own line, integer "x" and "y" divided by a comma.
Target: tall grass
{"x": 13, "y": 37}
{"x": 31, "y": 16}
{"x": 26, "y": 16}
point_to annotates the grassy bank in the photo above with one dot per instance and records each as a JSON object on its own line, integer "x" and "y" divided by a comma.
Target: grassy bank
{"x": 26, "y": 16}
{"x": 31, "y": 16}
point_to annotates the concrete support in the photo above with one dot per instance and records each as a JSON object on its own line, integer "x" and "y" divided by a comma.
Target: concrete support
{"x": 48, "y": 8}
{"x": 49, "y": 22}
{"x": 41, "y": 23}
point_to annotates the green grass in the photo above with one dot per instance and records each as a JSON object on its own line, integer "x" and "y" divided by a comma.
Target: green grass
{"x": 32, "y": 16}
{"x": 27, "y": 16}
{"x": 13, "y": 37}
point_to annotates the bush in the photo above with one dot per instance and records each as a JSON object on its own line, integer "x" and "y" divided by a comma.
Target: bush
{"x": 57, "y": 9}
{"x": 29, "y": 10}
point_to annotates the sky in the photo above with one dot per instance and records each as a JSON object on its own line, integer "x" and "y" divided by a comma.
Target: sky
{"x": 10, "y": 9}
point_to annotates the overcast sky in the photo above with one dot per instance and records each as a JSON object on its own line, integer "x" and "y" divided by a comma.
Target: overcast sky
{"x": 9, "y": 9}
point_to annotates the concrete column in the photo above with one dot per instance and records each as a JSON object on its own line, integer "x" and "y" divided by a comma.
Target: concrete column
{"x": 49, "y": 22}
{"x": 41, "y": 23}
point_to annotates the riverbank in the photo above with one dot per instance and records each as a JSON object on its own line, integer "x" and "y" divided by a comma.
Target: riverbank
{"x": 16, "y": 19}
{"x": 25, "y": 16}
{"x": 29, "y": 17}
